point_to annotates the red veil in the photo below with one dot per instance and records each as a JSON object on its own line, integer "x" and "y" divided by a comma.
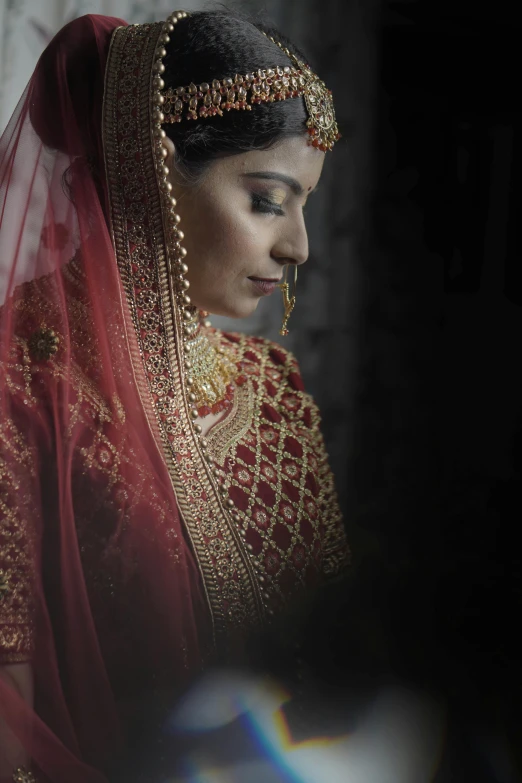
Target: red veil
{"x": 78, "y": 455}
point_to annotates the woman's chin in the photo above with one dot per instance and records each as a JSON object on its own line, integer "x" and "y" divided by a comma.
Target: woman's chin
{"x": 239, "y": 309}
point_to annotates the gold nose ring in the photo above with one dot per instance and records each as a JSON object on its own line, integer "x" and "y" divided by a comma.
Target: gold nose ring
{"x": 288, "y": 301}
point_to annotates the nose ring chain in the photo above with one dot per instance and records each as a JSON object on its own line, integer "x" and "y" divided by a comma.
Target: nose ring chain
{"x": 288, "y": 301}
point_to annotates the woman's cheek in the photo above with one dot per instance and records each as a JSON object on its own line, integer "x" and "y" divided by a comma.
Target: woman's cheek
{"x": 239, "y": 247}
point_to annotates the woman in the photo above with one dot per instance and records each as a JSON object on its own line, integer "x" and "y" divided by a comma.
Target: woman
{"x": 164, "y": 486}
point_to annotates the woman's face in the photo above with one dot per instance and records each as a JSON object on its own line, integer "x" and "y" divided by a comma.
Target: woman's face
{"x": 244, "y": 222}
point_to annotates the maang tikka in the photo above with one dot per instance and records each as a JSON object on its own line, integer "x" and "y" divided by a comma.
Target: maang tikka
{"x": 266, "y": 85}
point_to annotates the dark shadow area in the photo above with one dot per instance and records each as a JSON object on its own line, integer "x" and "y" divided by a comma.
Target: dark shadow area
{"x": 437, "y": 463}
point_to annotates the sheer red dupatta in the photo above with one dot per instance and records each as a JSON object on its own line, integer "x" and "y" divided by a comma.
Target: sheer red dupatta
{"x": 100, "y": 591}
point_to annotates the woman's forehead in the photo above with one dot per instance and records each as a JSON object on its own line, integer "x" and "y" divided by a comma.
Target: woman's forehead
{"x": 293, "y": 158}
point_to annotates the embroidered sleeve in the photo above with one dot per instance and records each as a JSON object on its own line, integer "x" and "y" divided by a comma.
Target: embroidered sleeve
{"x": 336, "y": 552}
{"x": 19, "y": 514}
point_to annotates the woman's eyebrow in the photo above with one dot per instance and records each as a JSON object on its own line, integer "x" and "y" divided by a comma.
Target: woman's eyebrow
{"x": 292, "y": 183}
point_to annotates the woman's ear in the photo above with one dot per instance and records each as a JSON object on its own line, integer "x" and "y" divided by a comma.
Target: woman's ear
{"x": 171, "y": 150}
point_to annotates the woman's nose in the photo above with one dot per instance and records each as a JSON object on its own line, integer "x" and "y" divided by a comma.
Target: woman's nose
{"x": 293, "y": 247}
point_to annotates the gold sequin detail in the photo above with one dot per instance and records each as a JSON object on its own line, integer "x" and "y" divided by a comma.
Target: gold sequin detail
{"x": 21, "y": 775}
{"x": 4, "y": 585}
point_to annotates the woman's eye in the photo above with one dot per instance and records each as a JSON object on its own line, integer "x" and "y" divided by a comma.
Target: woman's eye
{"x": 262, "y": 204}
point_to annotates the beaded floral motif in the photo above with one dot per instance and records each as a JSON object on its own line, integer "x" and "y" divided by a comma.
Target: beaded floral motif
{"x": 43, "y": 344}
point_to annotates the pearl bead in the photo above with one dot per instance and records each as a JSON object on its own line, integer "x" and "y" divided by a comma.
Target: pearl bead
{"x": 164, "y": 152}
{"x": 194, "y": 413}
{"x": 165, "y": 170}
{"x": 158, "y": 115}
{"x": 207, "y": 323}
{"x": 186, "y": 284}
{"x": 189, "y": 380}
{"x": 181, "y": 237}
{"x": 198, "y": 428}
{"x": 230, "y": 503}
{"x": 159, "y": 133}
{"x": 186, "y": 299}
{"x": 168, "y": 27}
{"x": 159, "y": 67}
{"x": 158, "y": 83}
{"x": 162, "y": 52}
{"x": 182, "y": 252}
{"x": 164, "y": 38}
{"x": 204, "y": 443}
{"x": 192, "y": 397}
{"x": 184, "y": 268}
{"x": 188, "y": 364}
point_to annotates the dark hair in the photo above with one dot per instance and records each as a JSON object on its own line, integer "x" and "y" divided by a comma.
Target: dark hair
{"x": 211, "y": 45}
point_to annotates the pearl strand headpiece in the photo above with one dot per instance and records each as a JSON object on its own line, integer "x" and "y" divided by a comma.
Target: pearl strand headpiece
{"x": 208, "y": 99}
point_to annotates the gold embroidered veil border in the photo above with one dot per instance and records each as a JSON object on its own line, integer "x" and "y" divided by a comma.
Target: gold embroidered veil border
{"x": 147, "y": 239}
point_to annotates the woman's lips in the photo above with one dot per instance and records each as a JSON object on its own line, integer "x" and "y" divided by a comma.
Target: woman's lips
{"x": 266, "y": 286}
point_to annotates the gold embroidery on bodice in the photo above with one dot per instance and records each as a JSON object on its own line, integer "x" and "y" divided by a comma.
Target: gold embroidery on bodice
{"x": 271, "y": 461}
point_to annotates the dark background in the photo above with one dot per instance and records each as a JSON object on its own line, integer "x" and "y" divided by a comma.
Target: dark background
{"x": 408, "y": 332}
{"x": 438, "y": 451}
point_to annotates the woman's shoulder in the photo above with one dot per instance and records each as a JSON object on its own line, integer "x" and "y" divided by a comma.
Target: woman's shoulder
{"x": 260, "y": 350}
{"x": 277, "y": 368}
{"x": 275, "y": 373}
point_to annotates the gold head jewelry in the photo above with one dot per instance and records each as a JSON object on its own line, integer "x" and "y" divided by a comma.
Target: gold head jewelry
{"x": 288, "y": 301}
{"x": 240, "y": 92}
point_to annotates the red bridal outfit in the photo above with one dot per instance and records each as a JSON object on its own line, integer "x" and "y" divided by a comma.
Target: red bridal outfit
{"x": 130, "y": 550}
